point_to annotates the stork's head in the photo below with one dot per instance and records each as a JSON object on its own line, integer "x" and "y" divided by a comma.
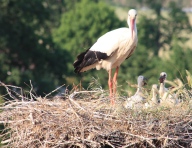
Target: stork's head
{"x": 132, "y": 14}
{"x": 142, "y": 81}
{"x": 163, "y": 76}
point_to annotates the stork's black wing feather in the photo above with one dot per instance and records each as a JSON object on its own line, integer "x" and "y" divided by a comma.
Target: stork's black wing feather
{"x": 88, "y": 58}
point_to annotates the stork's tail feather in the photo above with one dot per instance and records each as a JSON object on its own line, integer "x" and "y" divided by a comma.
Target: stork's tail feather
{"x": 88, "y": 58}
{"x": 79, "y": 63}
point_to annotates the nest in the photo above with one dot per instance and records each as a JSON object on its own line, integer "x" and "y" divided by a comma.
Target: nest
{"x": 70, "y": 123}
{"x": 92, "y": 122}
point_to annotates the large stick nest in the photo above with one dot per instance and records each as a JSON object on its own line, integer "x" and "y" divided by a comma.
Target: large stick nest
{"x": 92, "y": 122}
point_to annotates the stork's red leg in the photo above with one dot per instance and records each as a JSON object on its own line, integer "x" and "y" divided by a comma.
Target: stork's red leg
{"x": 115, "y": 81}
{"x": 110, "y": 83}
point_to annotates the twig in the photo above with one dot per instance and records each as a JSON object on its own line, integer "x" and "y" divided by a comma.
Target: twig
{"x": 6, "y": 141}
{"x": 131, "y": 144}
{"x": 30, "y": 92}
{"x": 149, "y": 142}
{"x": 8, "y": 90}
{"x": 109, "y": 143}
{"x": 54, "y": 90}
{"x": 31, "y": 117}
{"x": 79, "y": 92}
{"x": 76, "y": 104}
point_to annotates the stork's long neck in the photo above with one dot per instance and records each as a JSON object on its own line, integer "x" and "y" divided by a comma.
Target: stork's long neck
{"x": 154, "y": 98}
{"x": 154, "y": 94}
{"x": 139, "y": 88}
{"x": 134, "y": 27}
{"x": 161, "y": 89}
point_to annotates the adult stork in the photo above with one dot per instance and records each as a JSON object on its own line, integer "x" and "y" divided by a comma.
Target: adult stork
{"x": 110, "y": 51}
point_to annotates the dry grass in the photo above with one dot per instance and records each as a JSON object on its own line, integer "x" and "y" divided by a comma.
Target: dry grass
{"x": 86, "y": 119}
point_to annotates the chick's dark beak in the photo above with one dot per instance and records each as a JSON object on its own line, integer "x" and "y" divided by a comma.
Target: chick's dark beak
{"x": 161, "y": 79}
{"x": 145, "y": 81}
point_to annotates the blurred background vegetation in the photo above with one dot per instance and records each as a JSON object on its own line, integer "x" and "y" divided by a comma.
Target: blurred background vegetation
{"x": 40, "y": 39}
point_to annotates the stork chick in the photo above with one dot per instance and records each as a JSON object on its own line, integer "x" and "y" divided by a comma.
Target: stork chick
{"x": 167, "y": 97}
{"x": 138, "y": 98}
{"x": 162, "y": 88}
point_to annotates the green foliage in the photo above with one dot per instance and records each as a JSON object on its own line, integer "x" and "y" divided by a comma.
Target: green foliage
{"x": 179, "y": 61}
{"x": 81, "y": 26}
{"x": 26, "y": 47}
{"x": 157, "y": 32}
{"x": 149, "y": 34}
{"x": 176, "y": 25}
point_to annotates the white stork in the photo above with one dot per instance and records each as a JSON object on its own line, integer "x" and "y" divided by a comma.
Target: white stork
{"x": 110, "y": 51}
{"x": 138, "y": 98}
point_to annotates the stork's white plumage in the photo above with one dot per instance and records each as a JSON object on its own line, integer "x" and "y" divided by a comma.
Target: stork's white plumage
{"x": 154, "y": 100}
{"x": 138, "y": 98}
{"x": 110, "y": 51}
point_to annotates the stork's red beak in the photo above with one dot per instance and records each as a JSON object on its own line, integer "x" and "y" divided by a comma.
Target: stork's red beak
{"x": 132, "y": 25}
